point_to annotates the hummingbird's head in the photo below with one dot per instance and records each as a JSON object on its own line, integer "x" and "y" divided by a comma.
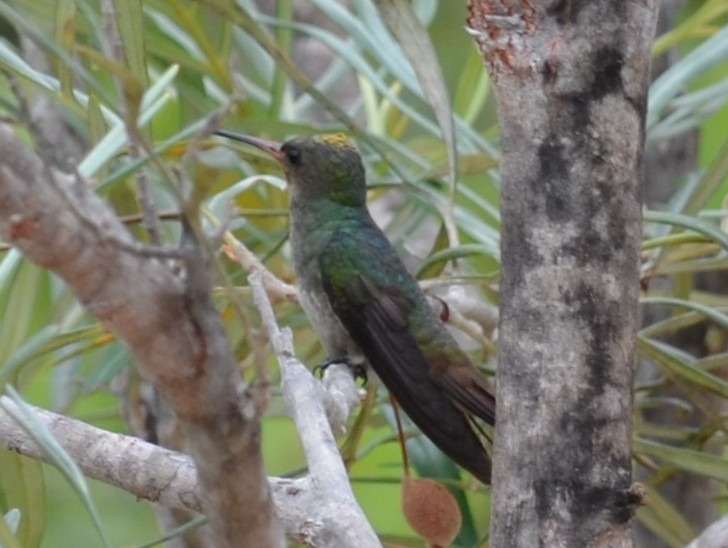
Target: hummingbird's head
{"x": 325, "y": 167}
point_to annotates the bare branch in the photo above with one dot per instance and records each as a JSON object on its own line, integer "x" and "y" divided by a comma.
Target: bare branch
{"x": 151, "y": 472}
{"x": 167, "y": 318}
{"x": 276, "y": 289}
{"x": 339, "y": 521}
{"x": 146, "y": 470}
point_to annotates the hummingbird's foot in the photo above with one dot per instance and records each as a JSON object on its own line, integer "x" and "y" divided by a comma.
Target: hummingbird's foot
{"x": 358, "y": 369}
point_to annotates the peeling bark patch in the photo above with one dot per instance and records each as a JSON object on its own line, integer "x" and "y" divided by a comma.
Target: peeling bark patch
{"x": 21, "y": 227}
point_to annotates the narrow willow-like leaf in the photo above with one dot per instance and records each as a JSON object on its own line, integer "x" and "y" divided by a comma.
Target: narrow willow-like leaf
{"x": 284, "y": 38}
{"x": 113, "y": 142}
{"x": 361, "y": 65}
{"x": 711, "y": 180}
{"x": 709, "y": 312}
{"x": 663, "y": 519}
{"x": 30, "y": 476}
{"x": 689, "y": 222}
{"x": 15, "y": 63}
{"x": 673, "y": 240}
{"x": 690, "y": 110}
{"x": 415, "y": 42}
{"x": 672, "y": 324}
{"x": 128, "y": 14}
{"x": 473, "y": 88}
{"x": 438, "y": 259}
{"x": 688, "y": 460}
{"x": 671, "y": 82}
{"x": 22, "y": 486}
{"x": 681, "y": 364}
{"x": 64, "y": 30}
{"x": 240, "y": 17}
{"x": 696, "y": 25}
{"x": 56, "y": 455}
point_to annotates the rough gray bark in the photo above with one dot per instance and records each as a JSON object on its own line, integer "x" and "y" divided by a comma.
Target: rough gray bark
{"x": 571, "y": 81}
{"x": 159, "y": 303}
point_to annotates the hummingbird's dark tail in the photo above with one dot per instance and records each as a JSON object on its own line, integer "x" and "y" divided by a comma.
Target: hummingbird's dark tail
{"x": 438, "y": 403}
{"x": 455, "y": 435}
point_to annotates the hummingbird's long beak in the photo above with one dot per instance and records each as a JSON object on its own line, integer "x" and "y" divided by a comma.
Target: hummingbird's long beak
{"x": 271, "y": 147}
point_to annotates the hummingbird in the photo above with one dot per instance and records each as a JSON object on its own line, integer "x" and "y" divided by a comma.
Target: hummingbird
{"x": 366, "y": 307}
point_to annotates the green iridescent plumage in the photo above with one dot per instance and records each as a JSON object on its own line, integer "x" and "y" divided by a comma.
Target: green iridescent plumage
{"x": 367, "y": 308}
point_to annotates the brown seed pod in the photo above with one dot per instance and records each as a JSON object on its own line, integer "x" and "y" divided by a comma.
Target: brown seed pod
{"x": 430, "y": 510}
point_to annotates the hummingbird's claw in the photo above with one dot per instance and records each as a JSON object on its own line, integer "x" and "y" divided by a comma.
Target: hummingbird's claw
{"x": 360, "y": 372}
{"x": 358, "y": 369}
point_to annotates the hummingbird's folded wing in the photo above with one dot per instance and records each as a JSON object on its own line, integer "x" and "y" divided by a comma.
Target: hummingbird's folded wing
{"x": 373, "y": 305}
{"x": 468, "y": 387}
{"x": 447, "y": 365}
{"x": 377, "y": 316}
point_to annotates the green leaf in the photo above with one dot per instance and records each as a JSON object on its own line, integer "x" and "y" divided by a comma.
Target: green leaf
{"x": 687, "y": 460}
{"x": 671, "y": 82}
{"x": 65, "y": 24}
{"x": 473, "y": 88}
{"x": 436, "y": 262}
{"x": 664, "y": 520}
{"x": 56, "y": 455}
{"x": 415, "y": 42}
{"x": 128, "y": 14}
{"x": 113, "y": 142}
{"x": 708, "y": 311}
{"x": 672, "y": 324}
{"x": 710, "y": 182}
{"x": 699, "y": 24}
{"x": 689, "y": 222}
{"x": 681, "y": 364}
{"x": 22, "y": 486}
{"x": 13, "y": 62}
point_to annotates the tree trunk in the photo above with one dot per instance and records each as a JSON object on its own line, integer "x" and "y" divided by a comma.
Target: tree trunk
{"x": 571, "y": 80}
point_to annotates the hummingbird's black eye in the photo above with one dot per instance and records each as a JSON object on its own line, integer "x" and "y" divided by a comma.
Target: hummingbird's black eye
{"x": 293, "y": 155}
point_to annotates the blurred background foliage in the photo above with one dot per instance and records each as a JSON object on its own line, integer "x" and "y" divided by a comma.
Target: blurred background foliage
{"x": 123, "y": 91}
